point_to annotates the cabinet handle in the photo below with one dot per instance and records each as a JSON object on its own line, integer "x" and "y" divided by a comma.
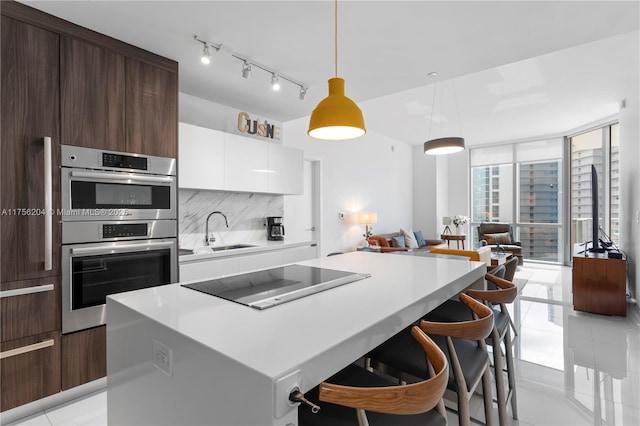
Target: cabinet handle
{"x": 28, "y": 348}
{"x": 48, "y": 215}
{"x": 26, "y": 290}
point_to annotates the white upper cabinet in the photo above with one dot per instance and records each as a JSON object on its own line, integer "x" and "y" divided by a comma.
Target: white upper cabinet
{"x": 285, "y": 170}
{"x": 201, "y": 159}
{"x": 215, "y": 160}
{"x": 247, "y": 164}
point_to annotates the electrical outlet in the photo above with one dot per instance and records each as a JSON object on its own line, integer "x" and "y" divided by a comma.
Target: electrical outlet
{"x": 637, "y": 216}
{"x": 282, "y": 387}
{"x": 162, "y": 358}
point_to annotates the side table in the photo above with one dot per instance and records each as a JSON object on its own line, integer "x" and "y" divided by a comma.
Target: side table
{"x": 500, "y": 258}
{"x": 454, "y": 237}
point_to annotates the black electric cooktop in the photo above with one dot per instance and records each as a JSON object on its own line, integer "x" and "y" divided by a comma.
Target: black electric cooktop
{"x": 271, "y": 287}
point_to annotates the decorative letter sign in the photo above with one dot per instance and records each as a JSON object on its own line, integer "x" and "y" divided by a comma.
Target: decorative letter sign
{"x": 253, "y": 127}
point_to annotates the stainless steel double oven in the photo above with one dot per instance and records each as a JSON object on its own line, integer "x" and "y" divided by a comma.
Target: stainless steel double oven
{"x": 119, "y": 229}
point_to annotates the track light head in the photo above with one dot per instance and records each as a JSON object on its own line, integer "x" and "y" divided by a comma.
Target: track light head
{"x": 246, "y": 70}
{"x": 275, "y": 82}
{"x": 206, "y": 55}
{"x": 303, "y": 93}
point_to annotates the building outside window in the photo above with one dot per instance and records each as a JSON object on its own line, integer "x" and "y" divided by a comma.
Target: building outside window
{"x": 599, "y": 147}
{"x": 540, "y": 204}
{"x": 525, "y": 191}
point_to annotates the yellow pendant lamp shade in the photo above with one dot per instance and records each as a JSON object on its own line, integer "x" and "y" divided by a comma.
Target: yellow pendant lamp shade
{"x": 336, "y": 117}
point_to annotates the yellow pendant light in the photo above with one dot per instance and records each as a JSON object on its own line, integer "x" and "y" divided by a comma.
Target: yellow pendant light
{"x": 336, "y": 117}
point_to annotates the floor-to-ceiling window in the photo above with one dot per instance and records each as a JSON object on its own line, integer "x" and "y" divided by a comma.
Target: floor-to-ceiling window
{"x": 600, "y": 148}
{"x": 521, "y": 184}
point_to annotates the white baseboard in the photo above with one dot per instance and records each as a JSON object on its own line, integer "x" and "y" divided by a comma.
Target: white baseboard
{"x": 59, "y": 398}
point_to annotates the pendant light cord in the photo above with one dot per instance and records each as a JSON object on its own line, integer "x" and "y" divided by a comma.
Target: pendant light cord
{"x": 433, "y": 105}
{"x": 335, "y": 36}
{"x": 455, "y": 99}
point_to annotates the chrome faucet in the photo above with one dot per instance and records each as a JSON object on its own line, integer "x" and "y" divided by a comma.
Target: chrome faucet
{"x": 211, "y": 239}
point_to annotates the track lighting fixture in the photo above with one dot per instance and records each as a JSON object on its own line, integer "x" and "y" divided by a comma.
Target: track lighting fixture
{"x": 248, "y": 65}
{"x": 275, "y": 83}
{"x": 246, "y": 70}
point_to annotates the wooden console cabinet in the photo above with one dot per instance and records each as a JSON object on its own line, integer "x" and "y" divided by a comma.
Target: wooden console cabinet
{"x": 599, "y": 283}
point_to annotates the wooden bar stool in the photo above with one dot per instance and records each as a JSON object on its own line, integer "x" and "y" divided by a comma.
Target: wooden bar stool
{"x": 506, "y": 292}
{"x": 356, "y": 396}
{"x": 502, "y": 292}
{"x": 464, "y": 345}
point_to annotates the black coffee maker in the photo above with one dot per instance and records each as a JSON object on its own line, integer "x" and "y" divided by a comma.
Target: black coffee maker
{"x": 275, "y": 228}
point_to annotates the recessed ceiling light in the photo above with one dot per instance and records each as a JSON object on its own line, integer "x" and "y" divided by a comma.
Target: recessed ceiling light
{"x": 432, "y": 74}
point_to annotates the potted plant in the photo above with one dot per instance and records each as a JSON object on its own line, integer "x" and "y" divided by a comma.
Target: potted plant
{"x": 458, "y": 221}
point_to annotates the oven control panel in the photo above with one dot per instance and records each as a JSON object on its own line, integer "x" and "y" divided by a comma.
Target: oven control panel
{"x": 123, "y": 161}
{"x": 93, "y": 232}
{"x": 125, "y": 230}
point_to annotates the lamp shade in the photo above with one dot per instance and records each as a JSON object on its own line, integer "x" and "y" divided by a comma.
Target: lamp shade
{"x": 336, "y": 117}
{"x": 367, "y": 218}
{"x": 444, "y": 146}
{"x": 446, "y": 220}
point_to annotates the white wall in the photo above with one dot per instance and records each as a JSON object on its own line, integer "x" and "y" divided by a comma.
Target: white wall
{"x": 212, "y": 115}
{"x": 426, "y": 195}
{"x": 454, "y": 170}
{"x": 204, "y": 113}
{"x": 372, "y": 173}
{"x": 630, "y": 175}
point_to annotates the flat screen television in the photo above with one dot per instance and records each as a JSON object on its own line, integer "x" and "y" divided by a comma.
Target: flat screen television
{"x": 595, "y": 229}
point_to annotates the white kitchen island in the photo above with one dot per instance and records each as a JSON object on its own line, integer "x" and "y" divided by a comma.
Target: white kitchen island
{"x": 229, "y": 364}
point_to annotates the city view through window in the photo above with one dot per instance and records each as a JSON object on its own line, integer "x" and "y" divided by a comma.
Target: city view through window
{"x": 598, "y": 147}
{"x": 527, "y": 189}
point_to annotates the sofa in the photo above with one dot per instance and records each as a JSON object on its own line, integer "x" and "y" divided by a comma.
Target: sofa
{"x": 499, "y": 236}
{"x": 384, "y": 241}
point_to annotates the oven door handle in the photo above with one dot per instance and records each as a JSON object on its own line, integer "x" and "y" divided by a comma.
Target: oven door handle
{"x": 124, "y": 248}
{"x": 125, "y": 177}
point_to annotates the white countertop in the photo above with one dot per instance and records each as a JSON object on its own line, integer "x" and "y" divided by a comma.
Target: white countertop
{"x": 306, "y": 333}
{"x": 259, "y": 247}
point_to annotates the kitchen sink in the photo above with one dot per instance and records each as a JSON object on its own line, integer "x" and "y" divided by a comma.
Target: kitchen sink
{"x": 210, "y": 249}
{"x": 231, "y": 247}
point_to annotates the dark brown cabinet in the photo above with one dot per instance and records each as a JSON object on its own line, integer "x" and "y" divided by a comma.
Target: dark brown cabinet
{"x": 29, "y": 369}
{"x": 29, "y": 307}
{"x": 30, "y": 299}
{"x": 92, "y": 87}
{"x": 76, "y": 87}
{"x": 123, "y": 104}
{"x": 152, "y": 110}
{"x": 84, "y": 356}
{"x": 29, "y": 112}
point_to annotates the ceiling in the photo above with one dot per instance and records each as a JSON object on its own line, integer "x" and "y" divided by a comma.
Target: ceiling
{"x": 520, "y": 68}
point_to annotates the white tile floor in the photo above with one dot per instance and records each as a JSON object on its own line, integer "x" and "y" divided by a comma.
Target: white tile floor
{"x": 573, "y": 368}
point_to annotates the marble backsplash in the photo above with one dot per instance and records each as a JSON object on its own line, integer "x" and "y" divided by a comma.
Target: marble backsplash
{"x": 246, "y": 213}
